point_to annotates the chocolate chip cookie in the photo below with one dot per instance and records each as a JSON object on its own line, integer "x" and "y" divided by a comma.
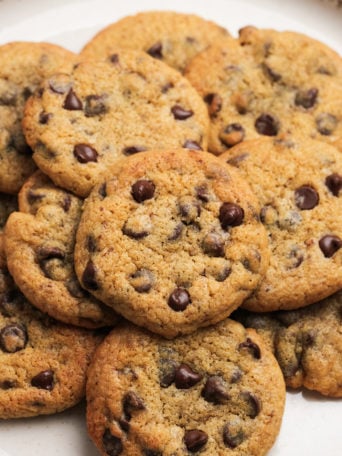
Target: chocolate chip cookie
{"x": 216, "y": 392}
{"x": 172, "y": 241}
{"x": 39, "y": 243}
{"x": 42, "y": 362}
{"x": 307, "y": 343}
{"x": 299, "y": 186}
{"x": 174, "y": 38}
{"x": 268, "y": 83}
{"x": 80, "y": 123}
{"x": 23, "y": 67}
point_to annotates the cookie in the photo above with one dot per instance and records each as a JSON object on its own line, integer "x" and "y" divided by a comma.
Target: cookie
{"x": 42, "y": 362}
{"x": 174, "y": 38}
{"x": 269, "y": 83}
{"x": 39, "y": 243}
{"x": 82, "y": 122}
{"x": 215, "y": 392}
{"x": 307, "y": 343}
{"x": 172, "y": 241}
{"x": 298, "y": 183}
{"x": 23, "y": 67}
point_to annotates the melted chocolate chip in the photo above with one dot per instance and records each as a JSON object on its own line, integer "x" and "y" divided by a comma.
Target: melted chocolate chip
{"x": 45, "y": 256}
{"x": 270, "y": 73}
{"x": 179, "y": 299}
{"x": 215, "y": 390}
{"x": 223, "y": 274}
{"x": 231, "y": 214}
{"x": 306, "y": 98}
{"x": 43, "y": 380}
{"x": 232, "y": 134}
{"x": 252, "y": 347}
{"x": 189, "y": 210}
{"x": 176, "y": 233}
{"x": 85, "y": 153}
{"x": 137, "y": 227}
{"x": 214, "y": 101}
{"x": 181, "y": 113}
{"x": 334, "y": 183}
{"x": 66, "y": 203}
{"x": 202, "y": 193}
{"x": 13, "y": 338}
{"x": 75, "y": 289}
{"x": 253, "y": 403}
{"x": 195, "y": 439}
{"x": 131, "y": 150}
{"x": 213, "y": 244}
{"x": 112, "y": 445}
{"x": 232, "y": 438}
{"x": 329, "y": 245}
{"x": 142, "y": 190}
{"x": 326, "y": 123}
{"x": 235, "y": 161}
{"x": 44, "y": 117}
{"x": 306, "y": 197}
{"x": 72, "y": 102}
{"x": 192, "y": 145}
{"x": 156, "y": 50}
{"x": 89, "y": 276}
{"x": 267, "y": 125}
{"x": 131, "y": 403}
{"x": 185, "y": 377}
{"x": 142, "y": 280}
{"x": 95, "y": 105}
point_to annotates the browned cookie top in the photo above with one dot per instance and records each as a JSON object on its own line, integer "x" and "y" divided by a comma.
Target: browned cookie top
{"x": 174, "y": 38}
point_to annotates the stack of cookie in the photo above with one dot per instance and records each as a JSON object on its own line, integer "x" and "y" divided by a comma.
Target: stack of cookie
{"x": 183, "y": 174}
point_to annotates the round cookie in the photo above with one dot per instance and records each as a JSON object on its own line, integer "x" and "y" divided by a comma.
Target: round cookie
{"x": 307, "y": 343}
{"x": 216, "y": 392}
{"x": 42, "y": 362}
{"x": 82, "y": 122}
{"x": 269, "y": 83}
{"x": 174, "y": 38}
{"x": 172, "y": 241}
{"x": 23, "y": 67}
{"x": 39, "y": 243}
{"x": 298, "y": 183}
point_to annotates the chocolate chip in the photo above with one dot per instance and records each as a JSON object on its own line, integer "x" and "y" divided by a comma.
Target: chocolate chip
{"x": 181, "y": 113}
{"x": 231, "y": 214}
{"x": 306, "y": 197}
{"x": 9, "y": 97}
{"x": 114, "y": 58}
{"x": 131, "y": 403}
{"x": 334, "y": 183}
{"x": 326, "y": 123}
{"x": 195, "y": 439}
{"x": 252, "y": 347}
{"x": 44, "y": 117}
{"x": 13, "y": 338}
{"x": 192, "y": 145}
{"x": 213, "y": 244}
{"x": 189, "y": 209}
{"x": 8, "y": 384}
{"x": 215, "y": 390}
{"x": 267, "y": 125}
{"x": 185, "y": 377}
{"x": 142, "y": 190}
{"x": 43, "y": 380}
{"x": 142, "y": 280}
{"x": 167, "y": 372}
{"x": 253, "y": 404}
{"x": 112, "y": 445}
{"x": 232, "y": 134}
{"x": 72, "y": 102}
{"x": 306, "y": 98}
{"x": 232, "y": 436}
{"x": 223, "y": 274}
{"x": 75, "y": 289}
{"x": 214, "y": 101}
{"x": 85, "y": 153}
{"x": 137, "y": 226}
{"x": 176, "y": 233}
{"x": 66, "y": 203}
{"x": 95, "y": 105}
{"x": 103, "y": 190}
{"x": 89, "y": 276}
{"x": 329, "y": 245}
{"x": 131, "y": 150}
{"x": 235, "y": 161}
{"x": 179, "y": 299}
{"x": 90, "y": 243}
{"x": 156, "y": 50}
{"x": 270, "y": 73}
{"x": 47, "y": 253}
{"x": 202, "y": 193}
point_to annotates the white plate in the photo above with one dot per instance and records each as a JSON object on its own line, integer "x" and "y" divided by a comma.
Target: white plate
{"x": 312, "y": 424}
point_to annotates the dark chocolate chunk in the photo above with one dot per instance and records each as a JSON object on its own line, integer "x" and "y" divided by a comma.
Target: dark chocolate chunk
{"x": 329, "y": 245}
{"x": 142, "y": 190}
{"x": 112, "y": 445}
{"x": 334, "y": 183}
{"x": 72, "y": 102}
{"x": 232, "y": 134}
{"x": 181, "y": 113}
{"x": 44, "y": 117}
{"x": 156, "y": 50}
{"x": 213, "y": 244}
{"x": 326, "y": 123}
{"x": 195, "y": 439}
{"x": 215, "y": 390}
{"x": 251, "y": 347}
{"x": 267, "y": 125}
{"x": 89, "y": 276}
{"x": 231, "y": 214}
{"x": 232, "y": 438}
{"x": 192, "y": 145}
{"x": 43, "y": 380}
{"x": 131, "y": 150}
{"x": 306, "y": 98}
{"x": 85, "y": 153}
{"x": 185, "y": 377}
{"x": 13, "y": 337}
{"x": 95, "y": 105}
{"x": 179, "y": 299}
{"x": 214, "y": 101}
{"x": 306, "y": 197}
{"x": 142, "y": 280}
